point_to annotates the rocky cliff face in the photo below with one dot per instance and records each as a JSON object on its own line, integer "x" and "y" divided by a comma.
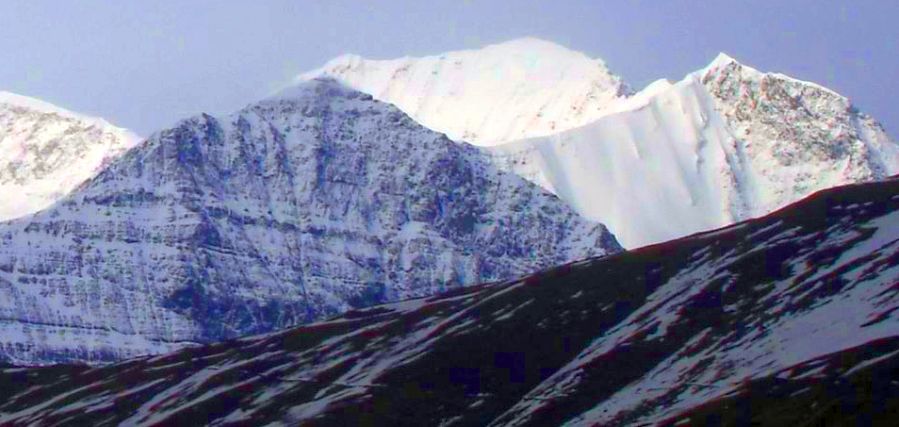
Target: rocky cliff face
{"x": 46, "y": 152}
{"x": 296, "y": 208}
{"x": 786, "y": 319}
{"x": 794, "y": 137}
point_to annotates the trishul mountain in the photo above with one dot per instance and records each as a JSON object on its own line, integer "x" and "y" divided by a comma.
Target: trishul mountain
{"x": 724, "y": 144}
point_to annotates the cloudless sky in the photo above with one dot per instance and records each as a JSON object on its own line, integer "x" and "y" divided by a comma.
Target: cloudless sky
{"x": 146, "y": 64}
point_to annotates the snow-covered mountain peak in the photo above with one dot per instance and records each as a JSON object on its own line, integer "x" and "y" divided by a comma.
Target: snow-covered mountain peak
{"x": 322, "y": 89}
{"x": 47, "y": 151}
{"x": 724, "y": 144}
{"x": 528, "y": 46}
{"x": 727, "y": 142}
{"x": 724, "y": 65}
{"x": 529, "y": 43}
{"x": 798, "y": 134}
{"x": 721, "y": 60}
{"x": 309, "y": 203}
{"x": 517, "y": 89}
{"x": 505, "y": 51}
{"x": 13, "y": 100}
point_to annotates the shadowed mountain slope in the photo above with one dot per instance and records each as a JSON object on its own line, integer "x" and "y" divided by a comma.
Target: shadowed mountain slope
{"x": 792, "y": 313}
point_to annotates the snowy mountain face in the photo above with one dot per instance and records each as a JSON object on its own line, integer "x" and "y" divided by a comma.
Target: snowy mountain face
{"x": 726, "y": 143}
{"x": 797, "y": 137}
{"x": 296, "y": 208}
{"x": 46, "y": 152}
{"x": 508, "y": 91}
{"x": 784, "y": 319}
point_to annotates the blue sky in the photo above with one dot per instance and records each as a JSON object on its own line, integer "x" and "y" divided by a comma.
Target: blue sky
{"x": 146, "y": 64}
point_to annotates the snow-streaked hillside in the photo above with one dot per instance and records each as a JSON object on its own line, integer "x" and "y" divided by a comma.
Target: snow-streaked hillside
{"x": 296, "y": 208}
{"x": 722, "y": 145}
{"x": 46, "y": 152}
{"x": 517, "y": 89}
{"x": 789, "y": 319}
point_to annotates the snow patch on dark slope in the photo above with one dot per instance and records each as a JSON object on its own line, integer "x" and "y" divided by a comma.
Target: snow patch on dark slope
{"x": 797, "y": 309}
{"x": 299, "y": 207}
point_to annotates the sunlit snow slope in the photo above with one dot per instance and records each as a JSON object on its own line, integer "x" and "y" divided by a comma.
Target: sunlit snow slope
{"x": 790, "y": 319}
{"x": 46, "y": 152}
{"x": 725, "y": 144}
{"x": 518, "y": 89}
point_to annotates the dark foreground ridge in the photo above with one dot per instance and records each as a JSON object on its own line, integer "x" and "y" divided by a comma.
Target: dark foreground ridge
{"x": 783, "y": 320}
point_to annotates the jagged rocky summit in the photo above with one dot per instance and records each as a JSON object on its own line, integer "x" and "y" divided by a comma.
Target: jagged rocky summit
{"x": 293, "y": 209}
